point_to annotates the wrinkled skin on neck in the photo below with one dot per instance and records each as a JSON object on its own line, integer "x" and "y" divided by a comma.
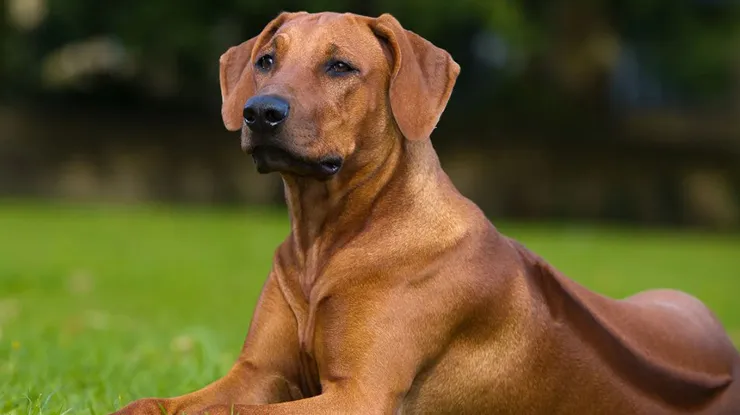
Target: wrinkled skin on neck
{"x": 329, "y": 218}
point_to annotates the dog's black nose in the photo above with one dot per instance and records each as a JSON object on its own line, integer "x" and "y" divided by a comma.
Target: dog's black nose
{"x": 264, "y": 113}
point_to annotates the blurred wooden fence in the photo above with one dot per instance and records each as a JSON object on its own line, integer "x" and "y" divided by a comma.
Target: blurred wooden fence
{"x": 655, "y": 169}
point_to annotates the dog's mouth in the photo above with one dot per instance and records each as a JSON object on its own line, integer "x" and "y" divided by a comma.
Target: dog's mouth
{"x": 270, "y": 158}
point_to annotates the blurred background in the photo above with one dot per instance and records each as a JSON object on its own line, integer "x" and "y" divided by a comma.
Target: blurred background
{"x": 565, "y": 109}
{"x": 603, "y": 134}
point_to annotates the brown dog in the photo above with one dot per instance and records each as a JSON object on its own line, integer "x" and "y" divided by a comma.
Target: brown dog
{"x": 393, "y": 293}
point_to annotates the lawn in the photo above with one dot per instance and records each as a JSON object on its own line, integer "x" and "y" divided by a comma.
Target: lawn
{"x": 100, "y": 305}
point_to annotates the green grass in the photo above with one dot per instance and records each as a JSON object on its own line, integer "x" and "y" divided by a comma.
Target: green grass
{"x": 101, "y": 305}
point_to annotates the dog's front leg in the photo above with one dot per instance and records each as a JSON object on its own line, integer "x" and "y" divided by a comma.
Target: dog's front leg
{"x": 338, "y": 400}
{"x": 370, "y": 347}
{"x": 266, "y": 371}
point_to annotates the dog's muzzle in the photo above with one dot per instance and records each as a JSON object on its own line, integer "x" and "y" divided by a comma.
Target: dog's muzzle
{"x": 272, "y": 158}
{"x": 264, "y": 115}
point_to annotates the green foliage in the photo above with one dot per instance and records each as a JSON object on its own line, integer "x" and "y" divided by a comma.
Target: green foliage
{"x": 691, "y": 44}
{"x": 99, "y": 306}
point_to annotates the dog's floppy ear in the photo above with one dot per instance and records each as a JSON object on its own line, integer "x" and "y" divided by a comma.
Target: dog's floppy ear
{"x": 422, "y": 77}
{"x": 235, "y": 73}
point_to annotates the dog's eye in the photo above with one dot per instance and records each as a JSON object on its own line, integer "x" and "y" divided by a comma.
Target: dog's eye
{"x": 265, "y": 62}
{"x": 339, "y": 68}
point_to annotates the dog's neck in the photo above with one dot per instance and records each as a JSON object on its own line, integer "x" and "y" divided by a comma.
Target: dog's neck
{"x": 324, "y": 210}
{"x": 406, "y": 184}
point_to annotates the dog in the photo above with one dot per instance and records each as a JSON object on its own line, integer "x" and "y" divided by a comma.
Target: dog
{"x": 393, "y": 293}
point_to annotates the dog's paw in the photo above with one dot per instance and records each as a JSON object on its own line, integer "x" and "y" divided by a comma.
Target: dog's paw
{"x": 148, "y": 406}
{"x": 221, "y": 410}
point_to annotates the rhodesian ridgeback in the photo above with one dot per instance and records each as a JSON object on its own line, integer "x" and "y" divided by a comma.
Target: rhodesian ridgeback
{"x": 393, "y": 293}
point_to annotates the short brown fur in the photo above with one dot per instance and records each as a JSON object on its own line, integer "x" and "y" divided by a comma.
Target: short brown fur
{"x": 393, "y": 293}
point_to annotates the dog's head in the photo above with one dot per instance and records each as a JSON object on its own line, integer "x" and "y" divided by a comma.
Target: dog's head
{"x": 314, "y": 92}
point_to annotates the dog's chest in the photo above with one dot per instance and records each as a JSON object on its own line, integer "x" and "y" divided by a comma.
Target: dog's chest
{"x": 309, "y": 377}
{"x": 305, "y": 313}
